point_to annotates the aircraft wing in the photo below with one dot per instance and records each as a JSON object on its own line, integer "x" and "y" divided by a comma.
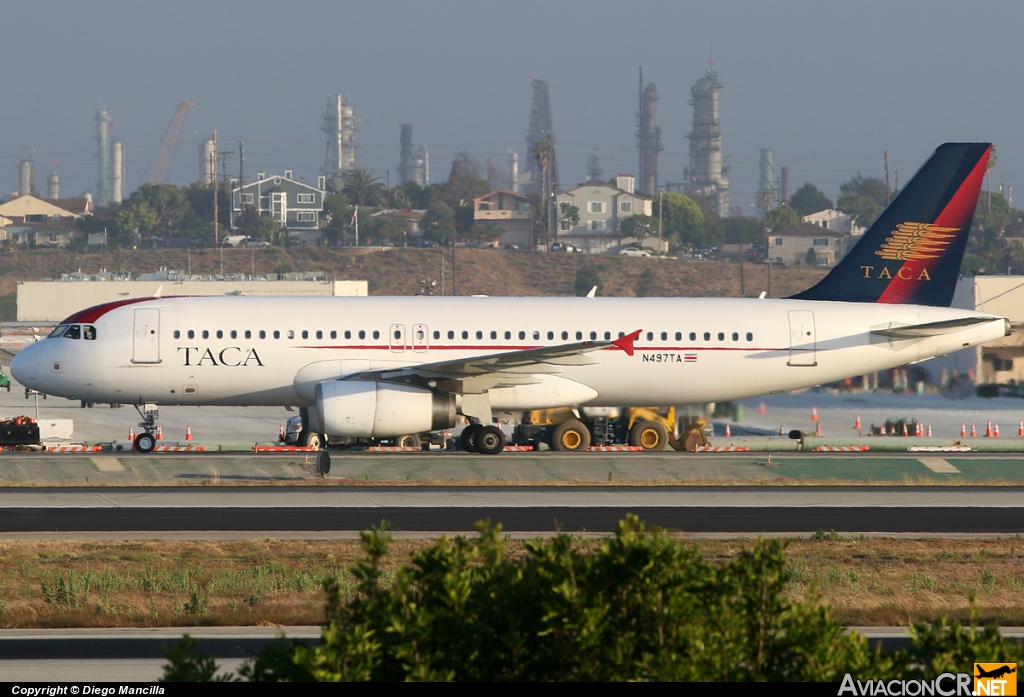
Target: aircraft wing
{"x": 922, "y": 331}
{"x": 498, "y": 369}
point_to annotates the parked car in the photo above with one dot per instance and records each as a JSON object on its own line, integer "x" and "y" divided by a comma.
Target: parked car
{"x": 516, "y": 245}
{"x": 634, "y": 252}
{"x": 564, "y": 247}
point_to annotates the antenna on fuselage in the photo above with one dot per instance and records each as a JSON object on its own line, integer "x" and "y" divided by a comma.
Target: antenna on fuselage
{"x": 159, "y": 289}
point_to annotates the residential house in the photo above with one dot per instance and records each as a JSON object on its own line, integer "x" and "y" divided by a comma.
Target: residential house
{"x": 512, "y": 213}
{"x": 295, "y": 205}
{"x": 44, "y": 222}
{"x": 602, "y": 207}
{"x": 790, "y": 245}
{"x": 408, "y": 218}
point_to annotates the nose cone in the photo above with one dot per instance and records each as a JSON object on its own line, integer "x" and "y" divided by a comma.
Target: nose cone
{"x": 26, "y": 364}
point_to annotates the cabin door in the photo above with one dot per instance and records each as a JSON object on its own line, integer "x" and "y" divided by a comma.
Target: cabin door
{"x": 801, "y": 338}
{"x": 146, "y": 337}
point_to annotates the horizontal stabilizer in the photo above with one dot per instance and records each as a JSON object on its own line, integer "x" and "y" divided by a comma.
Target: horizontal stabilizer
{"x": 922, "y": 331}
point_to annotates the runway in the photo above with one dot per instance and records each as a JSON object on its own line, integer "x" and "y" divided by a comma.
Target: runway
{"x": 135, "y": 511}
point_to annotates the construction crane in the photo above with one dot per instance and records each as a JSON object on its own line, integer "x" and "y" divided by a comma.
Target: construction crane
{"x": 163, "y": 157}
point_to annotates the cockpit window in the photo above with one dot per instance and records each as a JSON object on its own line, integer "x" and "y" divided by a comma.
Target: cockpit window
{"x": 89, "y": 332}
{"x": 57, "y": 331}
{"x": 73, "y": 332}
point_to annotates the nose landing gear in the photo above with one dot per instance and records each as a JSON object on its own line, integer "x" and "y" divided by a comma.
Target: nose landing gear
{"x": 146, "y": 441}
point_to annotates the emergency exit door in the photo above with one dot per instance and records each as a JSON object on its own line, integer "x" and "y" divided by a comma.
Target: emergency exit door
{"x": 146, "y": 337}
{"x": 802, "y": 343}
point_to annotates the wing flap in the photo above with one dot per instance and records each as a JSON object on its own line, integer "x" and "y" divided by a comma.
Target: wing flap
{"x": 923, "y": 331}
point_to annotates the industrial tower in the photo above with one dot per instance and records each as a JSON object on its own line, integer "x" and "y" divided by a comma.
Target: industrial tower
{"x": 766, "y": 192}
{"x": 103, "y": 121}
{"x": 648, "y": 138}
{"x": 26, "y": 177}
{"x": 412, "y": 166}
{"x": 540, "y": 129}
{"x": 706, "y": 174}
{"x": 340, "y": 127}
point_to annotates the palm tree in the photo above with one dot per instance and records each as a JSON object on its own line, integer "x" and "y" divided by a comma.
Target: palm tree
{"x": 542, "y": 151}
{"x": 362, "y": 188}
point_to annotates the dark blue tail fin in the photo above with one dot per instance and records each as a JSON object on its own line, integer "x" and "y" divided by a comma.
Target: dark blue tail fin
{"x": 912, "y": 252}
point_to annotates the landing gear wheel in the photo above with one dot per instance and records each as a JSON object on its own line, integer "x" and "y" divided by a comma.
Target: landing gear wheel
{"x": 323, "y": 463}
{"x": 410, "y": 441}
{"x": 145, "y": 442}
{"x": 469, "y": 438}
{"x": 570, "y": 437}
{"x": 490, "y": 440}
{"x": 649, "y": 435}
{"x": 314, "y": 440}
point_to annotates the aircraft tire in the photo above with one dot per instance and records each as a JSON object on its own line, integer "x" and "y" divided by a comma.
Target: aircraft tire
{"x": 469, "y": 438}
{"x": 145, "y": 442}
{"x": 570, "y": 437}
{"x": 649, "y": 435}
{"x": 490, "y": 440}
{"x": 323, "y": 463}
{"x": 314, "y": 440}
{"x": 409, "y": 441}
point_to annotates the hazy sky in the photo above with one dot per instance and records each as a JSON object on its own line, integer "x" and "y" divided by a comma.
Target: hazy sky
{"x": 829, "y": 86}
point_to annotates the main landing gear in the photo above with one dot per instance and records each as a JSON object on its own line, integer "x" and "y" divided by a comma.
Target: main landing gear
{"x": 146, "y": 440}
{"x": 486, "y": 440}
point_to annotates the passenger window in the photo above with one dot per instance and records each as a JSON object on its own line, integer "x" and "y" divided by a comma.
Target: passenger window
{"x": 191, "y": 334}
{"x": 277, "y": 334}
{"x": 334, "y": 334}
{"x": 398, "y": 334}
{"x": 664, "y": 336}
{"x": 348, "y": 334}
{"x": 565, "y": 336}
{"x": 679, "y": 336}
{"x": 622, "y": 334}
{"x": 291, "y": 333}
{"x": 465, "y": 334}
{"x": 693, "y": 336}
{"x": 177, "y": 334}
{"x": 735, "y": 336}
{"x": 362, "y": 334}
{"x": 451, "y": 334}
{"x": 494, "y": 334}
{"x": 305, "y": 334}
{"x": 479, "y": 334}
{"x": 421, "y": 335}
{"x": 607, "y": 336}
{"x": 750, "y": 336}
{"x": 220, "y": 334}
{"x": 551, "y": 335}
{"x": 319, "y": 334}
{"x": 234, "y": 334}
{"x": 508, "y": 335}
{"x": 89, "y": 332}
{"x": 593, "y": 336}
{"x": 707, "y": 336}
{"x": 263, "y": 334}
{"x": 248, "y": 334}
{"x": 536, "y": 335}
{"x": 376, "y": 334}
{"x": 579, "y": 335}
{"x": 650, "y": 336}
{"x": 206, "y": 333}
{"x": 721, "y": 336}
{"x": 437, "y": 334}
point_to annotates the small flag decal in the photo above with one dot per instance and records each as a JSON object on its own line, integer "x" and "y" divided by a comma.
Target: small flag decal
{"x": 690, "y": 357}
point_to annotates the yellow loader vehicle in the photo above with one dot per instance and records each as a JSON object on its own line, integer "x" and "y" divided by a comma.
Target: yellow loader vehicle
{"x": 650, "y": 428}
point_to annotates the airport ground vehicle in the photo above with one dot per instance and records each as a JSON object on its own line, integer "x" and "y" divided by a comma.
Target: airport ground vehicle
{"x": 384, "y": 367}
{"x": 650, "y": 428}
{"x": 5, "y": 382}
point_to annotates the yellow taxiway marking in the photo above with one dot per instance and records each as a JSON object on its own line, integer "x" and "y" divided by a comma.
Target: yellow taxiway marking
{"x": 937, "y": 464}
{"x": 107, "y": 464}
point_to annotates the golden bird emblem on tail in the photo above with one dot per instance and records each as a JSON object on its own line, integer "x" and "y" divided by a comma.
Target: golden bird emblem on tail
{"x": 913, "y": 241}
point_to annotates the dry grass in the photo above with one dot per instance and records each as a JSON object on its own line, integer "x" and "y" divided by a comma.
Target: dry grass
{"x": 868, "y": 581}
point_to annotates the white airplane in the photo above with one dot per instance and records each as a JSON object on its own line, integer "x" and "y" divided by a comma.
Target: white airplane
{"x": 379, "y": 367}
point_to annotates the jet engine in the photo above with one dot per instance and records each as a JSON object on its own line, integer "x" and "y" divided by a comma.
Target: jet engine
{"x": 381, "y": 410}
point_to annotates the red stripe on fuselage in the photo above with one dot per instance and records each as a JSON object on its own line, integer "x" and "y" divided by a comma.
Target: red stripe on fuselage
{"x": 91, "y": 314}
{"x": 958, "y": 213}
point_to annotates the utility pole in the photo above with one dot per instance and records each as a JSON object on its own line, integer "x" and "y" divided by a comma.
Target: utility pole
{"x": 216, "y": 213}
{"x": 888, "y": 191}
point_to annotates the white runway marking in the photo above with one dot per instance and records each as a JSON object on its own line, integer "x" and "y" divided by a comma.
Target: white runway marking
{"x": 107, "y": 464}
{"x": 937, "y": 464}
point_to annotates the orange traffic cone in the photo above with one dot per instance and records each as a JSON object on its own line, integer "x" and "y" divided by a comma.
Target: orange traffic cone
{"x": 929, "y": 430}
{"x": 728, "y": 432}
{"x": 904, "y": 428}
{"x": 761, "y": 408}
{"x": 1020, "y": 431}
{"x": 131, "y": 434}
{"x": 988, "y": 429}
{"x": 974, "y": 431}
{"x": 781, "y": 432}
{"x": 814, "y": 413}
{"x": 280, "y": 436}
{"x": 963, "y": 429}
{"x": 996, "y": 433}
{"x": 159, "y": 432}
{"x": 817, "y": 431}
{"x": 857, "y": 425}
{"x": 188, "y": 432}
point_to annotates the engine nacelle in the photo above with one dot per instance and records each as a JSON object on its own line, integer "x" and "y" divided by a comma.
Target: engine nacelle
{"x": 381, "y": 410}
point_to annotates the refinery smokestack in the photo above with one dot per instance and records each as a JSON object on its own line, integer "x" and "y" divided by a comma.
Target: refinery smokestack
{"x": 207, "y": 162}
{"x": 706, "y": 175}
{"x": 52, "y": 185}
{"x": 25, "y": 175}
{"x": 513, "y": 170}
{"x": 103, "y": 121}
{"x": 340, "y": 127}
{"x": 117, "y": 172}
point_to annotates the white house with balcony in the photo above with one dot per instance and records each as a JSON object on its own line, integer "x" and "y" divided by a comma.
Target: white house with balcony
{"x": 296, "y": 205}
{"x": 834, "y": 220}
{"x": 602, "y": 207}
{"x": 510, "y": 212}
